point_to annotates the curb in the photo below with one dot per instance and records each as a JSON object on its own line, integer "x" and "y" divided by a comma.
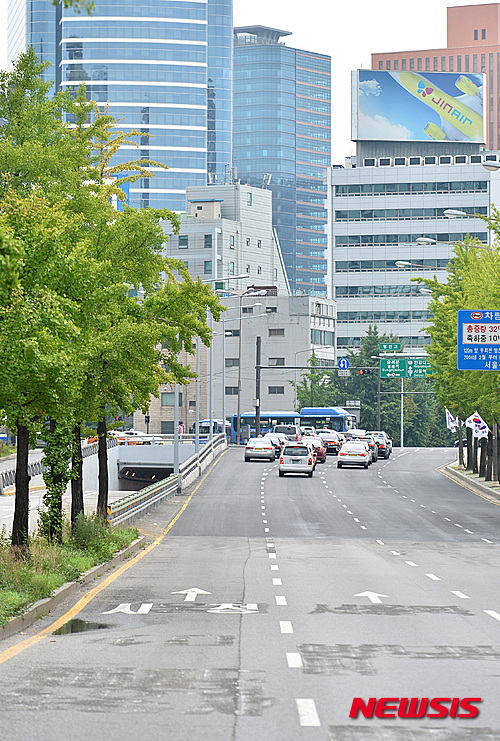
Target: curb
{"x": 474, "y": 486}
{"x": 35, "y": 487}
{"x": 43, "y": 606}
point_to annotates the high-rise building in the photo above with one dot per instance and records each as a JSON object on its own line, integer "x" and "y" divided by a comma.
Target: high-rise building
{"x": 282, "y": 129}
{"x": 163, "y": 67}
{"x": 473, "y": 45}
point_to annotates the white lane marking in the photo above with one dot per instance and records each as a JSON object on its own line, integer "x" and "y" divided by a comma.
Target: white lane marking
{"x": 404, "y": 496}
{"x": 493, "y": 614}
{"x": 356, "y": 519}
{"x": 275, "y": 567}
{"x": 433, "y": 577}
{"x": 380, "y": 542}
{"x": 389, "y": 486}
{"x": 396, "y": 491}
{"x": 308, "y": 715}
{"x": 460, "y": 594}
{"x": 395, "y": 553}
{"x": 433, "y": 511}
{"x": 280, "y": 600}
{"x": 447, "y": 519}
{"x": 486, "y": 540}
{"x": 385, "y": 464}
{"x": 286, "y": 626}
{"x": 345, "y": 506}
{"x": 412, "y": 500}
{"x": 264, "y": 522}
{"x": 272, "y": 555}
{"x": 457, "y": 525}
{"x": 277, "y": 582}
{"x": 423, "y": 505}
{"x": 411, "y": 563}
{"x": 374, "y": 597}
{"x": 362, "y": 527}
{"x": 339, "y": 500}
{"x": 349, "y": 512}
{"x": 294, "y": 661}
{"x": 266, "y": 529}
{"x": 269, "y": 543}
{"x": 399, "y": 456}
{"x": 467, "y": 531}
{"x": 262, "y": 506}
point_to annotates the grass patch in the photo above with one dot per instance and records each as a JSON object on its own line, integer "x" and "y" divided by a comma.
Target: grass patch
{"x": 49, "y": 566}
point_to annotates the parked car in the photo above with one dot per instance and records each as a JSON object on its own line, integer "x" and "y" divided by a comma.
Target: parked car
{"x": 317, "y": 444}
{"x": 331, "y": 441}
{"x": 277, "y": 440}
{"x": 354, "y": 453}
{"x": 296, "y": 458}
{"x": 259, "y": 447}
{"x": 384, "y": 443}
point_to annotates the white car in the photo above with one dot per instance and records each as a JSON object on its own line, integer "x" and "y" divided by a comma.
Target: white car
{"x": 354, "y": 453}
{"x": 259, "y": 447}
{"x": 297, "y": 458}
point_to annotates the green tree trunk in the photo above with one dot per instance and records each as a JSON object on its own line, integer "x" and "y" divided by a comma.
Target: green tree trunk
{"x": 55, "y": 522}
{"x": 460, "y": 445}
{"x": 470, "y": 455}
{"x": 20, "y": 525}
{"x": 483, "y": 444}
{"x": 102, "y": 455}
{"x": 474, "y": 455}
{"x": 77, "y": 482}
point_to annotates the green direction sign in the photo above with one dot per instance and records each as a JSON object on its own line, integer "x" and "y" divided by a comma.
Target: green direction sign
{"x": 393, "y": 368}
{"x": 418, "y": 368}
{"x": 390, "y": 346}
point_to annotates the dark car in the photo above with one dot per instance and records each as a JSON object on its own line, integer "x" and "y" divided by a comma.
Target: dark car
{"x": 317, "y": 444}
{"x": 384, "y": 443}
{"x": 331, "y": 441}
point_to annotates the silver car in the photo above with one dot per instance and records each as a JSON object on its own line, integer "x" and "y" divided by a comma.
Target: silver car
{"x": 297, "y": 458}
{"x": 354, "y": 453}
{"x": 259, "y": 447}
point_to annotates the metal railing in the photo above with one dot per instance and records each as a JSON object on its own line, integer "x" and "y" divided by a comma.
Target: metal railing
{"x": 196, "y": 461}
{"x": 128, "y": 508}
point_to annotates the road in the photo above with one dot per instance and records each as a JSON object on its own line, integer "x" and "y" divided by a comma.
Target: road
{"x": 269, "y": 605}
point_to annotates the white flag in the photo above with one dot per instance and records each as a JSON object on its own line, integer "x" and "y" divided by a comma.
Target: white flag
{"x": 451, "y": 422}
{"x": 478, "y": 425}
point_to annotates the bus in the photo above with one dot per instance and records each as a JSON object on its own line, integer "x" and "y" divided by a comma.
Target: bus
{"x": 216, "y": 425}
{"x": 332, "y": 418}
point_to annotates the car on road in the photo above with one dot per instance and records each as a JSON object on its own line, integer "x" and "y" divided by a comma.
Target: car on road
{"x": 384, "y": 443}
{"x": 277, "y": 440}
{"x": 318, "y": 445}
{"x": 296, "y": 458}
{"x": 259, "y": 447}
{"x": 331, "y": 441}
{"x": 292, "y": 432}
{"x": 308, "y": 431}
{"x": 354, "y": 453}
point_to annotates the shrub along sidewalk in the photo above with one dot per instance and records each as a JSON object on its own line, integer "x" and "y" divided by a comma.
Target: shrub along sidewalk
{"x": 47, "y": 566}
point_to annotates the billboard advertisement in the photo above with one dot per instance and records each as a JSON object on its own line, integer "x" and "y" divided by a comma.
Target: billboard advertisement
{"x": 415, "y": 106}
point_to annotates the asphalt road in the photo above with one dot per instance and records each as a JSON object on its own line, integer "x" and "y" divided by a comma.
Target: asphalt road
{"x": 377, "y": 583}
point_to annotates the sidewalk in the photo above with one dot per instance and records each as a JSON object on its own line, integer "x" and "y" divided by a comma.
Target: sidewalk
{"x": 489, "y": 490}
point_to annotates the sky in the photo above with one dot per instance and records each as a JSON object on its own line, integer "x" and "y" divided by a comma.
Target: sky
{"x": 348, "y": 30}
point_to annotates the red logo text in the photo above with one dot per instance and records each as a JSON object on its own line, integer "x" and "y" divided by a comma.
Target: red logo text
{"x": 415, "y": 707}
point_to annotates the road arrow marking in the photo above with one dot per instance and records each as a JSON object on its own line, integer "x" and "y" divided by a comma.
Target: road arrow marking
{"x": 460, "y": 594}
{"x": 191, "y": 594}
{"x": 125, "y": 608}
{"x": 372, "y": 596}
{"x": 395, "y": 553}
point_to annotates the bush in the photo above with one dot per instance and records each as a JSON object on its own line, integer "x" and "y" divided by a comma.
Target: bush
{"x": 48, "y": 565}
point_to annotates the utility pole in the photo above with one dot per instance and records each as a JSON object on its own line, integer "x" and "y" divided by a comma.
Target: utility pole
{"x": 258, "y": 345}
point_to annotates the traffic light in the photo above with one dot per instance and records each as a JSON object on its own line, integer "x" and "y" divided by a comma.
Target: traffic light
{"x": 365, "y": 371}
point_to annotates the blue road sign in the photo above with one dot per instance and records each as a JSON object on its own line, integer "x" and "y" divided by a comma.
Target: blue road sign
{"x": 343, "y": 364}
{"x": 478, "y": 345}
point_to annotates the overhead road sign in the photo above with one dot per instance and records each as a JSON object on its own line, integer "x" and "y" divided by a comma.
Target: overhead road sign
{"x": 393, "y": 368}
{"x": 390, "y": 346}
{"x": 478, "y": 335}
{"x": 418, "y": 368}
{"x": 343, "y": 364}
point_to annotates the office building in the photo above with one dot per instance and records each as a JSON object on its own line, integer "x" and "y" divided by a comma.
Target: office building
{"x": 163, "y": 68}
{"x": 379, "y": 214}
{"x": 473, "y": 46}
{"x": 227, "y": 231}
{"x": 282, "y": 136}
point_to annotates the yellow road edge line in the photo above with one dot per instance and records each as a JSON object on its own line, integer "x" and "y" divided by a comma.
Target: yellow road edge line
{"x": 84, "y": 601}
{"x": 467, "y": 488}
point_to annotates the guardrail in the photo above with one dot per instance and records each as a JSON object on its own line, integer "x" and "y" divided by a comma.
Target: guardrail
{"x": 132, "y": 506}
{"x": 8, "y": 478}
{"x": 129, "y": 508}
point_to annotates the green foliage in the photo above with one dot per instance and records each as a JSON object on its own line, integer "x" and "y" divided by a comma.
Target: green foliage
{"x": 50, "y": 565}
{"x": 78, "y": 5}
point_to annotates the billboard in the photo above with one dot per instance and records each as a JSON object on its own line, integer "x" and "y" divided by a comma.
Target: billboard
{"x": 415, "y": 106}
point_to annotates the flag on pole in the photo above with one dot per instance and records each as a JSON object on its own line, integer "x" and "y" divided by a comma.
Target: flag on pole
{"x": 478, "y": 425}
{"x": 451, "y": 422}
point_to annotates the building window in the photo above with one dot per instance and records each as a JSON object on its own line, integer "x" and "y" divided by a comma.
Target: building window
{"x": 207, "y": 267}
{"x": 435, "y": 64}
{"x": 476, "y": 35}
{"x": 259, "y": 243}
{"x": 183, "y": 242}
{"x": 186, "y": 263}
{"x": 427, "y": 64}
{"x": 459, "y": 63}
{"x": 275, "y": 389}
{"x": 276, "y": 332}
{"x": 249, "y": 199}
{"x": 450, "y": 63}
{"x": 419, "y": 64}
{"x": 167, "y": 428}
{"x": 231, "y": 241}
{"x": 248, "y": 268}
{"x": 168, "y": 398}
{"x": 231, "y": 268}
{"x": 474, "y": 62}
{"x": 381, "y": 64}
{"x": 275, "y": 273}
{"x": 192, "y": 403}
{"x": 259, "y": 270}
{"x": 388, "y": 64}
{"x": 403, "y": 64}
{"x": 231, "y": 390}
{"x": 248, "y": 242}
{"x": 396, "y": 64}
{"x": 412, "y": 63}
{"x": 443, "y": 64}
{"x": 247, "y": 310}
{"x": 466, "y": 64}
{"x": 231, "y": 362}
{"x": 276, "y": 361}
{"x": 208, "y": 240}
{"x": 483, "y": 63}
{"x": 271, "y": 309}
{"x": 483, "y": 33}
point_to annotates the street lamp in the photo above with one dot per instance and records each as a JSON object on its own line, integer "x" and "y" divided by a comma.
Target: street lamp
{"x": 454, "y": 213}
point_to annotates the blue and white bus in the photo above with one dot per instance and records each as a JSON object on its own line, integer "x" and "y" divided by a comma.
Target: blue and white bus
{"x": 216, "y": 425}
{"x": 333, "y": 418}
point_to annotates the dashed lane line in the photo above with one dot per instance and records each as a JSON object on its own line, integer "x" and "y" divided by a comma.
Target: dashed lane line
{"x": 286, "y": 626}
{"x": 294, "y": 661}
{"x": 308, "y": 715}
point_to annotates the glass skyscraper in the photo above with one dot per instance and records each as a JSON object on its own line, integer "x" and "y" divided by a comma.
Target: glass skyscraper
{"x": 163, "y": 67}
{"x": 282, "y": 127}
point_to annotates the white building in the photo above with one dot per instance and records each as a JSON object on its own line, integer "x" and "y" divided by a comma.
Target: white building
{"x": 379, "y": 210}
